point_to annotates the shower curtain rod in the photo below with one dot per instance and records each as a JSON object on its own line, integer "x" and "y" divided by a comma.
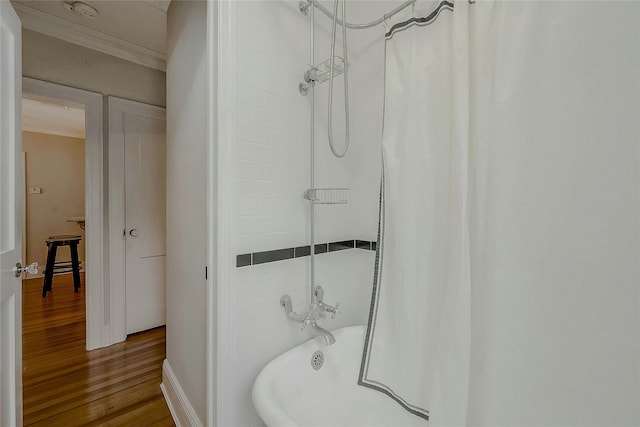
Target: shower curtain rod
{"x": 368, "y": 24}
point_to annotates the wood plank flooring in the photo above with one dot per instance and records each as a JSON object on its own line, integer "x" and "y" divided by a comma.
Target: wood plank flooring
{"x": 64, "y": 385}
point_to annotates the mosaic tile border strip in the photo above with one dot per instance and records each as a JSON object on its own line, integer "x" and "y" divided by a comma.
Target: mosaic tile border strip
{"x": 255, "y": 258}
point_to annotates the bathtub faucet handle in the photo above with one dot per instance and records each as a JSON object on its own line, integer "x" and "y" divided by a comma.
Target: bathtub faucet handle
{"x": 318, "y": 295}
{"x": 335, "y": 311}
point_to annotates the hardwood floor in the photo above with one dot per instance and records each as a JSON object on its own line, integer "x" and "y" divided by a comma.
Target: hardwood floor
{"x": 64, "y": 385}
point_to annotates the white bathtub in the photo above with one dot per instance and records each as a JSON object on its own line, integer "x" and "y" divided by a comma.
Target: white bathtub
{"x": 289, "y": 392}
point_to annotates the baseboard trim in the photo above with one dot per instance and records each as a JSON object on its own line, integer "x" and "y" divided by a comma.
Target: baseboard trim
{"x": 181, "y": 410}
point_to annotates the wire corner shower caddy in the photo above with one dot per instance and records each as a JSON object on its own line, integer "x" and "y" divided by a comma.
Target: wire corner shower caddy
{"x": 327, "y": 196}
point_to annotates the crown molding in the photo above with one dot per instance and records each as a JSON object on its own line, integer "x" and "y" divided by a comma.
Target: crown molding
{"x": 45, "y": 131}
{"x": 50, "y": 25}
{"x": 163, "y": 5}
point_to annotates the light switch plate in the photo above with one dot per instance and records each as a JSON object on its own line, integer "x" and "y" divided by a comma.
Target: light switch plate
{"x": 35, "y": 190}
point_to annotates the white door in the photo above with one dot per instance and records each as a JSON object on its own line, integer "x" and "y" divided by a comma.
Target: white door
{"x": 143, "y": 147}
{"x": 145, "y": 165}
{"x": 10, "y": 218}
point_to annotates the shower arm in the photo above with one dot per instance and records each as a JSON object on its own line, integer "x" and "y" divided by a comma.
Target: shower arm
{"x": 368, "y": 24}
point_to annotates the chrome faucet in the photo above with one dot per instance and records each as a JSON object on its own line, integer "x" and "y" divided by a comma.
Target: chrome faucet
{"x": 319, "y": 305}
{"x": 328, "y": 336}
{"x": 317, "y": 310}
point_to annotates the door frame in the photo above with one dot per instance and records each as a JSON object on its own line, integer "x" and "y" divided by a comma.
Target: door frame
{"x": 222, "y": 46}
{"x": 97, "y": 309}
{"x": 117, "y": 108}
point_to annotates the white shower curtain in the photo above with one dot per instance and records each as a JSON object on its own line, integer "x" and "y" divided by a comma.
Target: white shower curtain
{"x": 417, "y": 348}
{"x": 496, "y": 114}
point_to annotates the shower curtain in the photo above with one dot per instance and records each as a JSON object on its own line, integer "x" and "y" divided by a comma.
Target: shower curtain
{"x": 420, "y": 309}
{"x": 495, "y": 115}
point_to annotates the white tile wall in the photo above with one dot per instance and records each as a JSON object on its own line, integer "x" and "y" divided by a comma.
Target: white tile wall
{"x": 272, "y": 175}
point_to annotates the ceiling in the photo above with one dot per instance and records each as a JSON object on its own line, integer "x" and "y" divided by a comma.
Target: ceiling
{"x": 52, "y": 117}
{"x": 130, "y": 29}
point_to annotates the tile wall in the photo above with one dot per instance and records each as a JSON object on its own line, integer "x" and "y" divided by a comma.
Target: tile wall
{"x": 272, "y": 175}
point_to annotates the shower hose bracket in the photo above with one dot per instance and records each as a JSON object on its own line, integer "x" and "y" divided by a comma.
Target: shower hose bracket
{"x": 303, "y": 7}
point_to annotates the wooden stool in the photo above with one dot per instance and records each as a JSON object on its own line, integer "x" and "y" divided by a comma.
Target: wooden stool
{"x": 53, "y": 267}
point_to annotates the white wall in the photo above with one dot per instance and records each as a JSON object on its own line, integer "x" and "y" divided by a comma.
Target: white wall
{"x": 187, "y": 118}
{"x": 272, "y": 174}
{"x": 57, "y": 61}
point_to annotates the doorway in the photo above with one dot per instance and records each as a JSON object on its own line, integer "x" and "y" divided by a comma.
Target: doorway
{"x": 53, "y": 153}
{"x": 96, "y": 294}
{"x": 53, "y": 157}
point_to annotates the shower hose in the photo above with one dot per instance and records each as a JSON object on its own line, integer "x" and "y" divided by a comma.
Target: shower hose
{"x": 335, "y": 152}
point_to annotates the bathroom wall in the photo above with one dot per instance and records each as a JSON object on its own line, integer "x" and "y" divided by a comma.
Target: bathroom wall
{"x": 187, "y": 107}
{"x": 272, "y": 173}
{"x": 56, "y": 165}
{"x": 272, "y": 163}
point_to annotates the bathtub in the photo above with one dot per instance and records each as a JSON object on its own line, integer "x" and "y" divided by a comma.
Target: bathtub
{"x": 290, "y": 392}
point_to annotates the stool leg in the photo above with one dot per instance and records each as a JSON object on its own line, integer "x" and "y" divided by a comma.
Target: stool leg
{"x": 75, "y": 266}
{"x": 48, "y": 272}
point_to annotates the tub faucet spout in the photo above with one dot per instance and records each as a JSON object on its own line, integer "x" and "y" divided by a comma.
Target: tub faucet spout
{"x": 328, "y": 336}
{"x": 317, "y": 311}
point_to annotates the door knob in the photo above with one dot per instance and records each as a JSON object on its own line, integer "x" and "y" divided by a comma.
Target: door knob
{"x": 134, "y": 232}
{"x": 29, "y": 269}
